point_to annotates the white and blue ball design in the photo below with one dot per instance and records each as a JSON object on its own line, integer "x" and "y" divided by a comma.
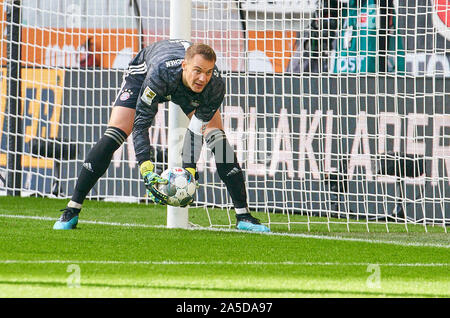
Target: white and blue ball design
{"x": 181, "y": 186}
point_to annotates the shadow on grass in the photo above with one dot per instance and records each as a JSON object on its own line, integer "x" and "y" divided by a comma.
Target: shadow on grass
{"x": 298, "y": 291}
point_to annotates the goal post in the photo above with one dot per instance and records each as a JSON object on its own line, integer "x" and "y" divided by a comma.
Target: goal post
{"x": 13, "y": 115}
{"x": 180, "y": 28}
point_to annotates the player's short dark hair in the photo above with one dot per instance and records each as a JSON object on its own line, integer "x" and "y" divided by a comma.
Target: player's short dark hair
{"x": 200, "y": 48}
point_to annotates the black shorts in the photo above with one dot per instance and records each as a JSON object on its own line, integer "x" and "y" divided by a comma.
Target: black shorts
{"x": 132, "y": 81}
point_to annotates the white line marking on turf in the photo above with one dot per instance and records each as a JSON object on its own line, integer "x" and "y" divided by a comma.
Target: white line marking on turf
{"x": 333, "y": 238}
{"x": 168, "y": 262}
{"x": 46, "y": 218}
{"x": 311, "y": 236}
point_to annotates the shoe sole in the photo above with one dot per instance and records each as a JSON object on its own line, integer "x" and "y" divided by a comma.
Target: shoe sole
{"x": 247, "y": 226}
{"x": 69, "y": 225}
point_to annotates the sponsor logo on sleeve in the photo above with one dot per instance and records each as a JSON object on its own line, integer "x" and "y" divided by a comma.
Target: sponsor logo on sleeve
{"x": 148, "y": 95}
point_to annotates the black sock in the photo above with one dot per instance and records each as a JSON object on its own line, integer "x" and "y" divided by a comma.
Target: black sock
{"x": 228, "y": 167}
{"x": 97, "y": 162}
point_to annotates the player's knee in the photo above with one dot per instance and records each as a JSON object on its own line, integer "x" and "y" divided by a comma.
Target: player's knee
{"x": 122, "y": 118}
{"x": 116, "y": 134}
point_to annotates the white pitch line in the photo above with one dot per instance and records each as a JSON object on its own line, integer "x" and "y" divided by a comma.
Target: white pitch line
{"x": 169, "y": 262}
{"x": 45, "y": 218}
{"x": 298, "y": 235}
{"x": 333, "y": 238}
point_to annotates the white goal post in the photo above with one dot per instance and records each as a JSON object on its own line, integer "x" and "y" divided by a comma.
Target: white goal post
{"x": 180, "y": 28}
{"x": 338, "y": 110}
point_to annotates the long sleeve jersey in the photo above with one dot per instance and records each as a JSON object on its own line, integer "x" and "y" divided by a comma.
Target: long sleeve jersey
{"x": 163, "y": 82}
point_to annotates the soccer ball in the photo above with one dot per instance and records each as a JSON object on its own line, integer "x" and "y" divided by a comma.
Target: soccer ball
{"x": 181, "y": 186}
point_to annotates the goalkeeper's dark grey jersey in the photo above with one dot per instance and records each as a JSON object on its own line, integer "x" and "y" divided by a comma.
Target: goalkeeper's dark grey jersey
{"x": 155, "y": 76}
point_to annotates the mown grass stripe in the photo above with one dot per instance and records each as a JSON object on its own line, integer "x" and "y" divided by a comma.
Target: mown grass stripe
{"x": 171, "y": 262}
{"x": 196, "y": 228}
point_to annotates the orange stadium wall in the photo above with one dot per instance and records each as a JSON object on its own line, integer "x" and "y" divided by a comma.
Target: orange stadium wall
{"x": 61, "y": 47}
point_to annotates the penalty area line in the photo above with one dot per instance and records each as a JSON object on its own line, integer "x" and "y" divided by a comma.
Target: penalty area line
{"x": 199, "y": 228}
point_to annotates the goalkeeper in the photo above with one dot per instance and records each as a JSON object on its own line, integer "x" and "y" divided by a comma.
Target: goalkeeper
{"x": 186, "y": 74}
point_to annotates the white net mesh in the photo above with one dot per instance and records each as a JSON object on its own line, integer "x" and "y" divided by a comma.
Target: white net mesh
{"x": 337, "y": 109}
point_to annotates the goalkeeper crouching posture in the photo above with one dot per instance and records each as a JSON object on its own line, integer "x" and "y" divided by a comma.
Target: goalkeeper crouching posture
{"x": 186, "y": 74}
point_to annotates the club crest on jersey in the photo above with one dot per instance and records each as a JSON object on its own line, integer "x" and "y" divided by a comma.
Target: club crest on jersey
{"x": 148, "y": 95}
{"x": 195, "y": 103}
{"x": 125, "y": 94}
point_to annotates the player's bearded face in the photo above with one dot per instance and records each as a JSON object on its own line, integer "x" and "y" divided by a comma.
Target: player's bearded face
{"x": 197, "y": 72}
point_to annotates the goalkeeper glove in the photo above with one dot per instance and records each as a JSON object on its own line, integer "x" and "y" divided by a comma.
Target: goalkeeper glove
{"x": 194, "y": 174}
{"x": 151, "y": 180}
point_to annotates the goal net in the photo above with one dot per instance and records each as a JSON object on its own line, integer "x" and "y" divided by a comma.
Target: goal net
{"x": 337, "y": 109}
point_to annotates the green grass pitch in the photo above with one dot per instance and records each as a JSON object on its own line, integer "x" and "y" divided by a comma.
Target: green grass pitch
{"x": 124, "y": 250}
